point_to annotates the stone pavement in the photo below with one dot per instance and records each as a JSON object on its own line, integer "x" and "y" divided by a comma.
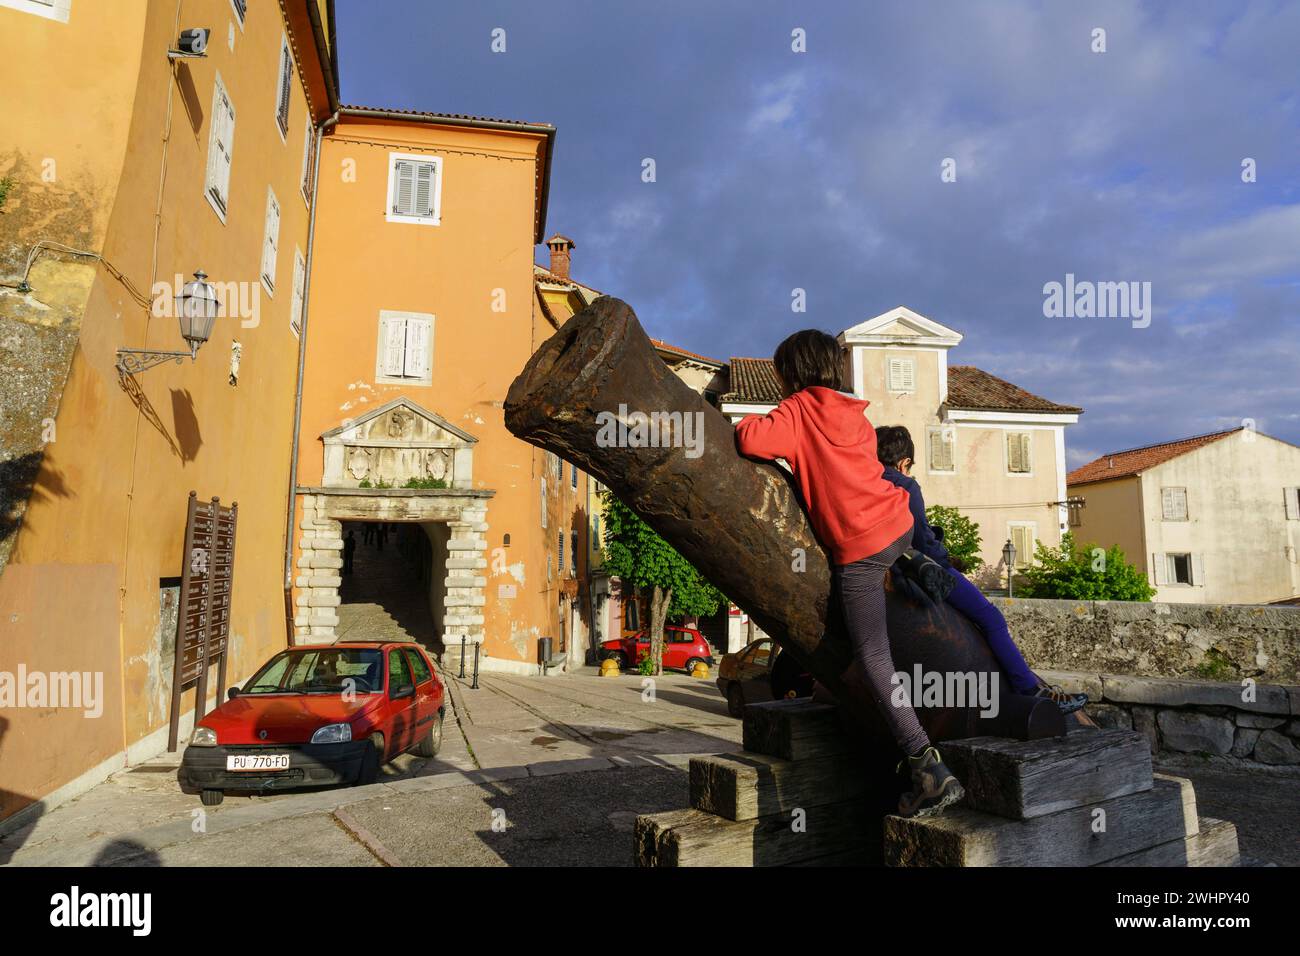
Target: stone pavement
{"x": 533, "y": 770}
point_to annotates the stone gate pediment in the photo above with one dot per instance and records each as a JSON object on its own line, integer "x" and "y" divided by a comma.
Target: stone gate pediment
{"x": 398, "y": 445}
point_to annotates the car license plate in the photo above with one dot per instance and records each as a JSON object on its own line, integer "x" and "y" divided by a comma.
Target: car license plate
{"x": 262, "y": 762}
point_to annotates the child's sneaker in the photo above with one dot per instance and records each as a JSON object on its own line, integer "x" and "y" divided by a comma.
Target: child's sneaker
{"x": 933, "y": 786}
{"x": 1068, "y": 703}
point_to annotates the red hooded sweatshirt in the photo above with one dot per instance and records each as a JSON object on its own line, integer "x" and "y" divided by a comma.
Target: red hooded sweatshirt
{"x": 829, "y": 444}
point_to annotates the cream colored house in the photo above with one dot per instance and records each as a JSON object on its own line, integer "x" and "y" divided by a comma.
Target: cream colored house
{"x": 984, "y": 446}
{"x": 1213, "y": 519}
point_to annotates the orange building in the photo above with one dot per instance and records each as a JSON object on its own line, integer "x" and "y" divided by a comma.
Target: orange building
{"x": 422, "y": 311}
{"x": 129, "y": 161}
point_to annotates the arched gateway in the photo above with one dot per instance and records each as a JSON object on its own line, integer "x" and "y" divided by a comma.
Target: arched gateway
{"x": 398, "y": 462}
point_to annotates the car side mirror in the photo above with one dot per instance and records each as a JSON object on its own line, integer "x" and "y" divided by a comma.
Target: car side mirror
{"x": 406, "y": 690}
{"x": 232, "y": 693}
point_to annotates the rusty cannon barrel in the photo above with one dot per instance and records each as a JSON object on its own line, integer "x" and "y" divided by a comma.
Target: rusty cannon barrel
{"x": 597, "y": 394}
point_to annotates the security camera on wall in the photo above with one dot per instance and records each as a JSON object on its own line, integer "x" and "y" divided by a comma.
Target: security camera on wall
{"x": 191, "y": 43}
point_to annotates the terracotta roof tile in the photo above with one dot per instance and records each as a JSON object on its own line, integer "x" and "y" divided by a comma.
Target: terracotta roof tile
{"x": 973, "y": 389}
{"x": 685, "y": 353}
{"x": 1131, "y": 461}
{"x": 753, "y": 380}
{"x": 455, "y": 116}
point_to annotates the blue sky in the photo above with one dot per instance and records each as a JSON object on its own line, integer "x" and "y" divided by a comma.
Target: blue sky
{"x": 820, "y": 170}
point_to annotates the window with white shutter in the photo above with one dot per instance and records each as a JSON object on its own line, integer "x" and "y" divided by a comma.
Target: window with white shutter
{"x": 405, "y": 348}
{"x": 308, "y": 154}
{"x": 1291, "y": 497}
{"x": 902, "y": 375}
{"x": 573, "y": 554}
{"x": 271, "y": 241}
{"x": 414, "y": 188}
{"x": 544, "y": 507}
{"x": 299, "y": 290}
{"x": 942, "y": 441}
{"x": 221, "y": 136}
{"x": 560, "y": 563}
{"x": 1018, "y": 453}
{"x": 283, "y": 88}
{"x": 1023, "y": 537}
{"x": 1173, "y": 504}
{"x": 241, "y": 10}
{"x": 57, "y": 10}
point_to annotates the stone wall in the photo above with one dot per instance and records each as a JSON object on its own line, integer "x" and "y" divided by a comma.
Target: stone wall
{"x": 1242, "y": 722}
{"x": 1225, "y": 642}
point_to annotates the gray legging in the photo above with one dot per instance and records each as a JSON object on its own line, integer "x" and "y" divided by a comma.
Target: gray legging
{"x": 862, "y": 596}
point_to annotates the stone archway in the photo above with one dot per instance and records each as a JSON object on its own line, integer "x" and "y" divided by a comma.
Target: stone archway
{"x": 464, "y": 511}
{"x": 398, "y": 462}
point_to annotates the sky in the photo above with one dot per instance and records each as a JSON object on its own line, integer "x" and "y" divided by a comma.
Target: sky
{"x": 952, "y": 157}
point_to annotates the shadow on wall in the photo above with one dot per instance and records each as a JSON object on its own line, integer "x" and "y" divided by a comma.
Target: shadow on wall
{"x": 11, "y": 803}
{"x": 21, "y": 480}
{"x": 186, "y": 424}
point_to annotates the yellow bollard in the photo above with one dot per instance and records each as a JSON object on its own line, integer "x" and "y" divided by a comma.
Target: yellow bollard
{"x": 700, "y": 670}
{"x": 609, "y": 667}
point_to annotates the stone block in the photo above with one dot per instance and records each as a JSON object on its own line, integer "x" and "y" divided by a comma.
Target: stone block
{"x": 1144, "y": 722}
{"x": 323, "y": 560}
{"x": 1244, "y": 743}
{"x": 1076, "y": 682}
{"x": 1162, "y": 692}
{"x": 1190, "y": 732}
{"x": 1276, "y": 749}
{"x": 1110, "y": 716}
{"x": 1259, "y": 721}
{"x": 463, "y": 547}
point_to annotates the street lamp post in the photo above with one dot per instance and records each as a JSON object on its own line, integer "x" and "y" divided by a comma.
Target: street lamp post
{"x": 1009, "y": 556}
{"x": 196, "y": 311}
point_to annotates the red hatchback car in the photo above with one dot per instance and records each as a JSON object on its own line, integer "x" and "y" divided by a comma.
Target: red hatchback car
{"x": 683, "y": 646}
{"x": 318, "y": 715}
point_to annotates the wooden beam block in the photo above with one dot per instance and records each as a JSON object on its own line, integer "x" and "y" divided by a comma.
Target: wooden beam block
{"x": 1026, "y": 779}
{"x": 1080, "y": 836}
{"x": 695, "y": 838}
{"x": 745, "y": 786}
{"x": 1214, "y": 845}
{"x": 794, "y": 729}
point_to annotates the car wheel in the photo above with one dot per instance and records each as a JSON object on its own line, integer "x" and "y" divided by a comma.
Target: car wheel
{"x": 621, "y": 658}
{"x": 690, "y": 665}
{"x": 431, "y": 742}
{"x": 211, "y": 798}
{"x": 370, "y": 761}
{"x": 735, "y": 701}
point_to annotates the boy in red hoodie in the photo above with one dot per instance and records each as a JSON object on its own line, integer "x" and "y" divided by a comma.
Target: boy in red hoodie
{"x": 823, "y": 434}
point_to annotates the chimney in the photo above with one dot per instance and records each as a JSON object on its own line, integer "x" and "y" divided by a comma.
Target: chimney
{"x": 561, "y": 248}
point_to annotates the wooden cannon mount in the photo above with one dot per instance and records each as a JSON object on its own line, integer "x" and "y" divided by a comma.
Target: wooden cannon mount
{"x": 740, "y": 523}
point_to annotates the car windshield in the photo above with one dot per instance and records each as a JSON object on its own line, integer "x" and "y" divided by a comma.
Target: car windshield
{"x": 324, "y": 670}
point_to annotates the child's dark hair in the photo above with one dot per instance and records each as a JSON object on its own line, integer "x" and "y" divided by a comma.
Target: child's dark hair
{"x": 809, "y": 358}
{"x": 893, "y": 444}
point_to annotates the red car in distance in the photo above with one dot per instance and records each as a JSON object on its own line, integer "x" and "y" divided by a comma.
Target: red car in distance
{"x": 683, "y": 646}
{"x": 313, "y": 716}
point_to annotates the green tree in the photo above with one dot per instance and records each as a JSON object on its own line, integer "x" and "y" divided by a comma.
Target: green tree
{"x": 1084, "y": 572}
{"x": 961, "y": 536}
{"x": 642, "y": 559}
